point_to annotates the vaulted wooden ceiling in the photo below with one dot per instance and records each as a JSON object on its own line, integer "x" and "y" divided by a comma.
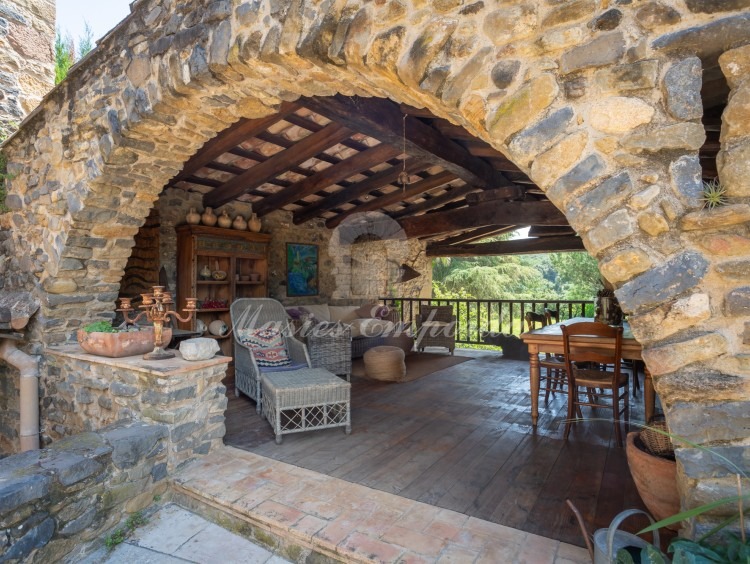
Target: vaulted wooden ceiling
{"x": 333, "y": 157}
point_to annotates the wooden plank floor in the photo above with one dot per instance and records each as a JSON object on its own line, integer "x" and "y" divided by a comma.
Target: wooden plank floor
{"x": 462, "y": 439}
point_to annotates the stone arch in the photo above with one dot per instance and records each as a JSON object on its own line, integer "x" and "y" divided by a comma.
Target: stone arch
{"x": 584, "y": 104}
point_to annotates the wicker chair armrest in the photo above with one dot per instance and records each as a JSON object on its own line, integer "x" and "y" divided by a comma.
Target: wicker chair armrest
{"x": 243, "y": 357}
{"x": 393, "y": 315}
{"x": 297, "y": 351}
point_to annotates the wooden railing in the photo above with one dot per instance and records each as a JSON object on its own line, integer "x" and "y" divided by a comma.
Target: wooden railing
{"x": 474, "y": 317}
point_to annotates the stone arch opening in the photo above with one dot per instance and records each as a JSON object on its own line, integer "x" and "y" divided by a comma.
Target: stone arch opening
{"x": 585, "y": 109}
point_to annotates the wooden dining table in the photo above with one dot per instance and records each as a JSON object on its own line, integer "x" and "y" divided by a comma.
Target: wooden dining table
{"x": 549, "y": 340}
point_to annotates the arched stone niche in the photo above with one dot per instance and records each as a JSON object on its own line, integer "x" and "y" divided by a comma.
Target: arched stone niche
{"x": 601, "y": 110}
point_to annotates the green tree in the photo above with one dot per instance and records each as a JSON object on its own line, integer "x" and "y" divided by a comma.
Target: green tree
{"x": 66, "y": 53}
{"x": 64, "y": 56}
{"x": 578, "y": 275}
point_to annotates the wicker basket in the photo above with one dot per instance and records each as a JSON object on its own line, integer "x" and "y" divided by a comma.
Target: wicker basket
{"x": 654, "y": 441}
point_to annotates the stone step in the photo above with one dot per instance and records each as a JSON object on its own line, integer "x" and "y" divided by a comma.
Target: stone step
{"x": 297, "y": 513}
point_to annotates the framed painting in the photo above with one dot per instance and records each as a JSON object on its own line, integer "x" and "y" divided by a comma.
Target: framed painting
{"x": 301, "y": 270}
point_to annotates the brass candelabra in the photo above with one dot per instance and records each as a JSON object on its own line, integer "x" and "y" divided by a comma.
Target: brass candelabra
{"x": 156, "y": 309}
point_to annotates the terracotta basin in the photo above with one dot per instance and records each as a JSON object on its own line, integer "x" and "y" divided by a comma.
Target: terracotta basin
{"x": 117, "y": 345}
{"x": 656, "y": 480}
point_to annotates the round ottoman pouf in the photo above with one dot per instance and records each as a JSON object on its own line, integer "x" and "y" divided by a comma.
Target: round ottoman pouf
{"x": 385, "y": 363}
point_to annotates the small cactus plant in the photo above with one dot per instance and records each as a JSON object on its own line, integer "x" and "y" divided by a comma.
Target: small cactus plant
{"x": 714, "y": 194}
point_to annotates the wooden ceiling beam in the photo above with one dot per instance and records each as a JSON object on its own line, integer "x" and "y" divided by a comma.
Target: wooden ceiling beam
{"x": 327, "y": 177}
{"x": 513, "y": 247}
{"x": 491, "y": 213}
{"x": 235, "y": 134}
{"x": 412, "y": 190}
{"x": 508, "y": 193}
{"x": 359, "y": 189}
{"x": 477, "y": 234}
{"x": 277, "y": 164}
{"x": 550, "y": 230}
{"x": 436, "y": 202}
{"x": 383, "y": 120}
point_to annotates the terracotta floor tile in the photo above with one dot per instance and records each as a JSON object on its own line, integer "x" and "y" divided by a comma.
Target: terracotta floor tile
{"x": 378, "y": 521}
{"x": 414, "y": 541}
{"x": 338, "y": 529}
{"x": 472, "y": 539}
{"x": 569, "y": 554}
{"x": 257, "y": 496}
{"x": 452, "y": 517}
{"x": 453, "y": 554}
{"x": 496, "y": 554}
{"x": 537, "y": 549}
{"x": 278, "y": 512}
{"x": 411, "y": 558}
{"x": 309, "y": 525}
{"x": 418, "y": 517}
{"x": 443, "y": 530}
{"x": 371, "y": 548}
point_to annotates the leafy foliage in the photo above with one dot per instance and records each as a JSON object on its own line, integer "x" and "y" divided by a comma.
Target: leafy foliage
{"x": 100, "y": 327}
{"x": 118, "y": 536}
{"x": 66, "y": 53}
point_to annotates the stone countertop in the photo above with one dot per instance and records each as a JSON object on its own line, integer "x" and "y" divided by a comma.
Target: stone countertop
{"x": 169, "y": 367}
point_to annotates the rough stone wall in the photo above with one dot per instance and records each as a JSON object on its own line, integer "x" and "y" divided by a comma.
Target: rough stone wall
{"x": 9, "y": 410}
{"x": 88, "y": 394}
{"x": 599, "y": 103}
{"x": 54, "y": 501}
{"x": 27, "y": 68}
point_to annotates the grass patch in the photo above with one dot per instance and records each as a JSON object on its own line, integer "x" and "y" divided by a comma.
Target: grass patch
{"x": 118, "y": 536}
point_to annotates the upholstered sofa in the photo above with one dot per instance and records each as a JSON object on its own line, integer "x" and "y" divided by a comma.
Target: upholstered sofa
{"x": 369, "y": 325}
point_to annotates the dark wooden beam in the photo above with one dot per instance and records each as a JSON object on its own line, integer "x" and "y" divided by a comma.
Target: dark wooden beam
{"x": 476, "y": 234}
{"x": 383, "y": 120}
{"x": 514, "y": 247}
{"x": 491, "y": 213}
{"x": 358, "y": 189}
{"x": 550, "y": 231}
{"x": 412, "y": 190}
{"x": 235, "y": 134}
{"x": 508, "y": 193}
{"x": 275, "y": 165}
{"x": 436, "y": 202}
{"x": 327, "y": 177}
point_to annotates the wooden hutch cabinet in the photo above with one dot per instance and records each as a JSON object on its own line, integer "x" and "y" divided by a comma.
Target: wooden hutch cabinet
{"x": 243, "y": 255}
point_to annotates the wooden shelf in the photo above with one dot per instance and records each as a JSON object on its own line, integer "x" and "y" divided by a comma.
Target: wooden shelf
{"x": 213, "y": 282}
{"x": 217, "y": 337}
{"x": 248, "y": 283}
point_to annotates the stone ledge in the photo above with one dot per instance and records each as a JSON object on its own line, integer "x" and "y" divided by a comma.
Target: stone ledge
{"x": 171, "y": 367}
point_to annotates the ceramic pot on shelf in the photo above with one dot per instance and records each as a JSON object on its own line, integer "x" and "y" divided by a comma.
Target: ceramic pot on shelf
{"x": 254, "y": 223}
{"x": 193, "y": 217}
{"x": 239, "y": 223}
{"x": 224, "y": 220}
{"x": 205, "y": 272}
{"x": 209, "y": 217}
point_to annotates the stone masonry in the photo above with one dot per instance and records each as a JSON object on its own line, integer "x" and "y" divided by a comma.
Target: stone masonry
{"x": 27, "y": 68}
{"x": 83, "y": 393}
{"x": 542, "y": 82}
{"x": 54, "y": 500}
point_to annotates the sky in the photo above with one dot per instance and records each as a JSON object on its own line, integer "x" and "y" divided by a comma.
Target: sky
{"x": 101, "y": 15}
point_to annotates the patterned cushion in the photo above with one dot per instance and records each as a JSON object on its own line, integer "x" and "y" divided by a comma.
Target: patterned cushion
{"x": 267, "y": 344}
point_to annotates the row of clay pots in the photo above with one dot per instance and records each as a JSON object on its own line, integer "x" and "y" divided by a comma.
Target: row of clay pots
{"x": 210, "y": 218}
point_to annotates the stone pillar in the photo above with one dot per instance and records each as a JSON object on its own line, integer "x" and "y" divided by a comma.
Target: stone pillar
{"x": 27, "y": 63}
{"x": 83, "y": 393}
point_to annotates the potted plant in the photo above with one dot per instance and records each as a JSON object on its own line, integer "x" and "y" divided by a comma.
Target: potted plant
{"x": 101, "y": 339}
{"x": 652, "y": 464}
{"x": 716, "y": 546}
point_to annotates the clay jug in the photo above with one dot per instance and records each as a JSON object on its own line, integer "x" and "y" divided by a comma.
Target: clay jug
{"x": 239, "y": 223}
{"x": 193, "y": 217}
{"x": 224, "y": 220}
{"x": 208, "y": 217}
{"x": 254, "y": 223}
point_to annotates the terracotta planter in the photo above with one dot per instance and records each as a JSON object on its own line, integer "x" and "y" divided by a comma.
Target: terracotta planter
{"x": 656, "y": 480}
{"x": 117, "y": 345}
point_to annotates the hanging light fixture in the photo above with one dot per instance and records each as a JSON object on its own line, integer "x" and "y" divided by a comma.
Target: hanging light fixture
{"x": 403, "y": 177}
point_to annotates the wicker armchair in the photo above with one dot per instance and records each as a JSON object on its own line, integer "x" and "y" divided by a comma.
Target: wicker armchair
{"x": 249, "y": 313}
{"x": 437, "y": 327}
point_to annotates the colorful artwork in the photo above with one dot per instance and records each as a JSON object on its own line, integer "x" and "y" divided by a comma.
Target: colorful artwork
{"x": 301, "y": 269}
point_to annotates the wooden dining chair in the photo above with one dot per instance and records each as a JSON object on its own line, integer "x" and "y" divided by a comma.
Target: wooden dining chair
{"x": 609, "y": 381}
{"x": 555, "y": 380}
